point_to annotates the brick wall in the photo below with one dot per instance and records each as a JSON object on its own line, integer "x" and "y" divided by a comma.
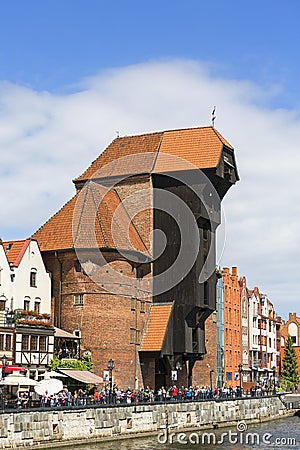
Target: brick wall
{"x": 232, "y": 325}
{"x": 201, "y": 374}
{"x": 106, "y": 320}
{"x": 137, "y": 195}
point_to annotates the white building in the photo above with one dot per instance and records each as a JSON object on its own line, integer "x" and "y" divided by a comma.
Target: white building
{"x": 254, "y": 334}
{"x": 262, "y": 336}
{"x": 26, "y": 304}
{"x": 30, "y": 283}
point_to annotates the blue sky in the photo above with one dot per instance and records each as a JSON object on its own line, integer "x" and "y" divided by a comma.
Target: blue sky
{"x": 52, "y": 44}
{"x": 73, "y": 73}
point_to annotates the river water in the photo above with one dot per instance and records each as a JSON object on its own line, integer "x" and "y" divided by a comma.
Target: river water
{"x": 277, "y": 434}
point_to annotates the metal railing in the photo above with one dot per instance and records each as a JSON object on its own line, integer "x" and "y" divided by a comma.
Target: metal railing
{"x": 88, "y": 402}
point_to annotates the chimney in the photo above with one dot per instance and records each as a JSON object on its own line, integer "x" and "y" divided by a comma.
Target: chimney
{"x": 234, "y": 271}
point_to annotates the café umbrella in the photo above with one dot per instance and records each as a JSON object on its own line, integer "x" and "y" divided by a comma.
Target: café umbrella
{"x": 51, "y": 385}
{"x": 18, "y": 380}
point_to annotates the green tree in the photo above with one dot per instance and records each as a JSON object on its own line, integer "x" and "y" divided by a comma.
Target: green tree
{"x": 290, "y": 364}
{"x": 84, "y": 364}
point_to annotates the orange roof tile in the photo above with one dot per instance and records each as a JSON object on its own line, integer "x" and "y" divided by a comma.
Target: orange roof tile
{"x": 92, "y": 218}
{"x": 122, "y": 147}
{"x": 199, "y": 146}
{"x": 156, "y": 327}
{"x": 15, "y": 251}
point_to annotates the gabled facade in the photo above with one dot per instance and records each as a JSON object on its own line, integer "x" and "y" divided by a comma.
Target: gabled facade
{"x": 26, "y": 333}
{"x": 263, "y": 332}
{"x": 118, "y": 294}
{"x": 232, "y": 326}
{"x": 291, "y": 327}
{"x": 30, "y": 283}
{"x": 245, "y": 353}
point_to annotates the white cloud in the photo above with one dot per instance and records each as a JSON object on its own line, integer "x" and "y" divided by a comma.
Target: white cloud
{"x": 47, "y": 140}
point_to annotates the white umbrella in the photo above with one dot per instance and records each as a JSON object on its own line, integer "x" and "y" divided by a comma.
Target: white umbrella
{"x": 53, "y": 386}
{"x": 18, "y": 380}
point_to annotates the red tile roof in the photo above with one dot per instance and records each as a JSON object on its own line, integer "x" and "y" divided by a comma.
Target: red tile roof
{"x": 106, "y": 225}
{"x": 156, "y": 328}
{"x": 15, "y": 251}
{"x": 199, "y": 146}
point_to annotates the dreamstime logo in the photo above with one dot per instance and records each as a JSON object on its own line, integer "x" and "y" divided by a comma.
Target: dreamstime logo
{"x": 241, "y": 436}
{"x": 113, "y": 212}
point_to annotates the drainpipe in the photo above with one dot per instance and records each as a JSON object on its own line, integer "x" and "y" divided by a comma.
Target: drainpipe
{"x": 60, "y": 290}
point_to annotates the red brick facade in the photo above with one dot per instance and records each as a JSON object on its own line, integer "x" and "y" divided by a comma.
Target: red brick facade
{"x": 203, "y": 368}
{"x": 111, "y": 311}
{"x": 232, "y": 326}
{"x": 111, "y": 325}
{"x": 291, "y": 327}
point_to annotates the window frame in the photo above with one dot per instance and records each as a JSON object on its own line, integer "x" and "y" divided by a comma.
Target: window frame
{"x": 25, "y": 338}
{"x": 78, "y": 299}
{"x": 33, "y": 278}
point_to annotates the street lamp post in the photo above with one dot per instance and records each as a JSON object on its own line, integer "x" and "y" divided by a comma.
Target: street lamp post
{"x": 210, "y": 379}
{"x": 240, "y": 378}
{"x": 4, "y": 365}
{"x": 274, "y": 382}
{"x": 110, "y": 367}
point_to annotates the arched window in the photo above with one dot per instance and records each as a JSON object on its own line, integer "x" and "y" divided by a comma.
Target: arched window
{"x": 37, "y": 305}
{"x": 27, "y": 303}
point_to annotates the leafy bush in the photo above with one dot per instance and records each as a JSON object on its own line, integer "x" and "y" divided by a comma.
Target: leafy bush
{"x": 84, "y": 364}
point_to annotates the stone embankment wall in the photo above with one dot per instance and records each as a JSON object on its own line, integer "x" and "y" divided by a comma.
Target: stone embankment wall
{"x": 54, "y": 428}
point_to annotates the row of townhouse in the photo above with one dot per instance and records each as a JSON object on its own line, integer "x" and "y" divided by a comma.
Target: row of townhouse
{"x": 242, "y": 337}
{"x": 252, "y": 333}
{"x": 28, "y": 338}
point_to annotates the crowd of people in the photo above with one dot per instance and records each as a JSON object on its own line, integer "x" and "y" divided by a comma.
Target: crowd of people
{"x": 105, "y": 396}
{"x": 174, "y": 393}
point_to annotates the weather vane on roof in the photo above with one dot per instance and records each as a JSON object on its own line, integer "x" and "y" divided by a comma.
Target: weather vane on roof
{"x": 213, "y": 116}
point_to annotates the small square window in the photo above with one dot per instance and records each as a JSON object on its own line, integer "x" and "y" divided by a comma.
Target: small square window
{"x": 78, "y": 299}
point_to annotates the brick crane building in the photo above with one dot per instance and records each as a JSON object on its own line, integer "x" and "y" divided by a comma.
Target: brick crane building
{"x": 142, "y": 303}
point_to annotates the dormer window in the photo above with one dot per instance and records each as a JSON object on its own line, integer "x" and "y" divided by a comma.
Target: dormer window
{"x": 33, "y": 278}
